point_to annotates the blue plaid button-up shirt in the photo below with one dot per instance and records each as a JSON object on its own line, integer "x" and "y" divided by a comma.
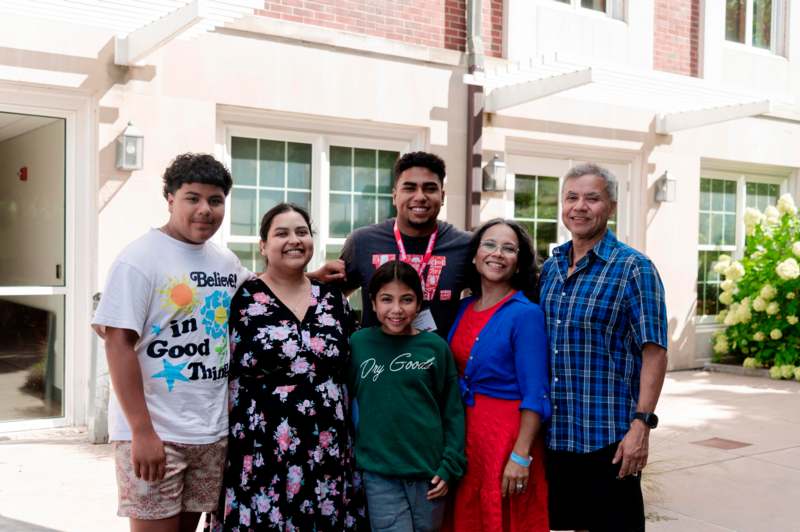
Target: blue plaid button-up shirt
{"x": 598, "y": 319}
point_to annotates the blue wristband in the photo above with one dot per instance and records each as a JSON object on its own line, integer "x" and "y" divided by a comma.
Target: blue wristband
{"x": 517, "y": 459}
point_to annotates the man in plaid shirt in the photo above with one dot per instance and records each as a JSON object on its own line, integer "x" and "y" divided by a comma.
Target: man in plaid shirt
{"x": 607, "y": 327}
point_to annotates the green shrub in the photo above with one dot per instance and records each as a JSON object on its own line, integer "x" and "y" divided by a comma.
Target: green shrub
{"x": 761, "y": 291}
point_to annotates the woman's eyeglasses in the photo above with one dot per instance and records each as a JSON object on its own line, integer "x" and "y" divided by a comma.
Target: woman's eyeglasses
{"x": 490, "y": 246}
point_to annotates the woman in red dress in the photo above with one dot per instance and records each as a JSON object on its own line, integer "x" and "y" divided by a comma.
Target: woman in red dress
{"x": 500, "y": 346}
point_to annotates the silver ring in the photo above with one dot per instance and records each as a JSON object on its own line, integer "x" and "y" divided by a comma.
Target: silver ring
{"x": 520, "y": 485}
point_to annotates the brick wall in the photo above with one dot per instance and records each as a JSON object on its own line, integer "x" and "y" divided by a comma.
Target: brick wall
{"x": 436, "y": 23}
{"x": 676, "y": 39}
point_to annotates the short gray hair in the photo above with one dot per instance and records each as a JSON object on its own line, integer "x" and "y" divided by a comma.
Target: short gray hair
{"x": 595, "y": 169}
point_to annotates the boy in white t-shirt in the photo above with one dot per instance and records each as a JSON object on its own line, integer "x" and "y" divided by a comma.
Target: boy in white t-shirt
{"x": 164, "y": 317}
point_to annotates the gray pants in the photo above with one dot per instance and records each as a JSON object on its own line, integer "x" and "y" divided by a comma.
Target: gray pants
{"x": 399, "y": 505}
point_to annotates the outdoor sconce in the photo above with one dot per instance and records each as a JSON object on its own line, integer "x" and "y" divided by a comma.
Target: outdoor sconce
{"x": 130, "y": 149}
{"x": 666, "y": 188}
{"x": 494, "y": 175}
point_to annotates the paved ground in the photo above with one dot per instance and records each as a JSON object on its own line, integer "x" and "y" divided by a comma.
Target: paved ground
{"x": 53, "y": 480}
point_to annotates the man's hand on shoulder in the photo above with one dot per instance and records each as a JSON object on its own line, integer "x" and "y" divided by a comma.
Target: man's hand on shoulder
{"x": 633, "y": 450}
{"x": 330, "y": 272}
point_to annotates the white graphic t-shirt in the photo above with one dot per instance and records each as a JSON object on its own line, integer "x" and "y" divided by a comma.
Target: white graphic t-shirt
{"x": 176, "y": 297}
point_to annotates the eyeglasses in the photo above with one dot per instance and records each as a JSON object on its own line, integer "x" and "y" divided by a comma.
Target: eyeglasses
{"x": 490, "y": 246}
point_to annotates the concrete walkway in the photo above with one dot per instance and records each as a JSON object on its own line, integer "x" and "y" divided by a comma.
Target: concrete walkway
{"x": 53, "y": 480}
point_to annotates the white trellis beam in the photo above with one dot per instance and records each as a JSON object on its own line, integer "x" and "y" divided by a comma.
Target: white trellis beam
{"x": 667, "y": 123}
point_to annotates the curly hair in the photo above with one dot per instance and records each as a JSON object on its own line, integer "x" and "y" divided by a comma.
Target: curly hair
{"x": 422, "y": 159}
{"x": 525, "y": 279}
{"x": 196, "y": 168}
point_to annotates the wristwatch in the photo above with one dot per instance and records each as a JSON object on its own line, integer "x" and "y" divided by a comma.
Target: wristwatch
{"x": 649, "y": 418}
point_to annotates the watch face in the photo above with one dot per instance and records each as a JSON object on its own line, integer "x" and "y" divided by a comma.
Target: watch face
{"x": 649, "y": 418}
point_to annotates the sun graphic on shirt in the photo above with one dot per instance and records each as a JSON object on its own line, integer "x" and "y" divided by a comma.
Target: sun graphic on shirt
{"x": 180, "y": 295}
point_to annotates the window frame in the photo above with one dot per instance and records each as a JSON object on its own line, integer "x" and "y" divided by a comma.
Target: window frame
{"x": 612, "y": 12}
{"x": 778, "y": 29}
{"x": 320, "y": 176}
{"x": 741, "y": 179}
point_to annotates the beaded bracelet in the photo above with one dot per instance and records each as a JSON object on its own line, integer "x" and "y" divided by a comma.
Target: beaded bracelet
{"x": 517, "y": 459}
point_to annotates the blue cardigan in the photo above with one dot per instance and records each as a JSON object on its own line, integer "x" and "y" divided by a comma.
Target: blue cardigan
{"x": 509, "y": 359}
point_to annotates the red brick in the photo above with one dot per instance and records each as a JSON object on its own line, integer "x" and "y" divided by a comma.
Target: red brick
{"x": 676, "y": 36}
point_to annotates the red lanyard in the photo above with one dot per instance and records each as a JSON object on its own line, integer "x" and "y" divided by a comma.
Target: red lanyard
{"x": 425, "y": 258}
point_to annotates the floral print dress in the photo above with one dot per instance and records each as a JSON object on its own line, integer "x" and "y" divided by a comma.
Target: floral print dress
{"x": 290, "y": 464}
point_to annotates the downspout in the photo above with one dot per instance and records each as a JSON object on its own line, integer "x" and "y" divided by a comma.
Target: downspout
{"x": 474, "y": 116}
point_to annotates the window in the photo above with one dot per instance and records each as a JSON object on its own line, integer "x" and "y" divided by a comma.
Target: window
{"x": 344, "y": 187}
{"x": 537, "y": 207}
{"x": 720, "y": 231}
{"x": 265, "y": 172}
{"x": 360, "y": 188}
{"x": 758, "y": 23}
{"x": 613, "y": 8}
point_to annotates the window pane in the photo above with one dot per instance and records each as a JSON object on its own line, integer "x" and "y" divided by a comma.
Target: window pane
{"x": 705, "y": 194}
{"x": 735, "y": 20}
{"x": 545, "y": 235}
{"x": 707, "y": 284}
{"x": 341, "y": 168}
{"x": 333, "y": 251}
{"x": 717, "y": 195}
{"x": 248, "y": 255}
{"x": 340, "y": 215}
{"x": 386, "y": 161}
{"x": 705, "y": 228}
{"x": 267, "y": 199}
{"x": 385, "y": 209}
{"x": 547, "y": 198}
{"x": 760, "y": 195}
{"x": 762, "y": 23}
{"x": 730, "y": 196}
{"x": 299, "y": 165}
{"x": 716, "y": 228}
{"x": 243, "y": 164}
{"x": 272, "y": 163}
{"x": 243, "y": 212}
{"x": 301, "y": 199}
{"x": 32, "y": 357}
{"x": 598, "y": 5}
{"x": 364, "y": 171}
{"x": 364, "y": 210}
{"x": 524, "y": 196}
{"x": 729, "y": 233}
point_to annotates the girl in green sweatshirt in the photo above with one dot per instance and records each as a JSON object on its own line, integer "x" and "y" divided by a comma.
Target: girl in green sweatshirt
{"x": 410, "y": 433}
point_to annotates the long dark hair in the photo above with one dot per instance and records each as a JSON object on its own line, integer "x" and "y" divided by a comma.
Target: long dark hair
{"x": 395, "y": 270}
{"x": 526, "y": 278}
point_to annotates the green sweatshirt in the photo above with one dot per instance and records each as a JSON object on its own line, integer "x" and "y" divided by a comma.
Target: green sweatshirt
{"x": 410, "y": 416}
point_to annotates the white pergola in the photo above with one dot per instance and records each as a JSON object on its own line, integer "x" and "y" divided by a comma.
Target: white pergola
{"x": 678, "y": 102}
{"x": 141, "y": 26}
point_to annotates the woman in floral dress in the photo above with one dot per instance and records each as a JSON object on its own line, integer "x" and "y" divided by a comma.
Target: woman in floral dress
{"x": 290, "y": 463}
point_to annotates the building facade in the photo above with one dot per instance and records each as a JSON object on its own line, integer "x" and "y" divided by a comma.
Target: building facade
{"x": 694, "y": 102}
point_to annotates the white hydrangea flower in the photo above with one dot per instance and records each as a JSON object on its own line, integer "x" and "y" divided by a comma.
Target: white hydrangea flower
{"x": 790, "y": 295}
{"x": 759, "y": 305}
{"x": 757, "y": 254}
{"x": 788, "y": 269}
{"x": 734, "y": 271}
{"x": 792, "y": 319}
{"x": 726, "y": 298}
{"x": 772, "y": 215}
{"x": 723, "y": 261}
{"x": 727, "y": 285}
{"x": 773, "y": 308}
{"x": 759, "y": 336}
{"x": 776, "y": 334}
{"x": 752, "y": 217}
{"x": 787, "y": 371}
{"x": 797, "y": 374}
{"x": 767, "y": 292}
{"x": 721, "y": 345}
{"x": 743, "y": 314}
{"x": 786, "y": 204}
{"x": 796, "y": 248}
{"x": 751, "y": 362}
{"x": 720, "y": 318}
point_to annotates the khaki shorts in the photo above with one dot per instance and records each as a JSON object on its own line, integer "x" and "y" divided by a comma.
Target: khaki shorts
{"x": 192, "y": 482}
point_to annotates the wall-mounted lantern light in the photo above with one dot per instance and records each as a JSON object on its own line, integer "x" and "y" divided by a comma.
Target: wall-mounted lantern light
{"x": 666, "y": 188}
{"x": 130, "y": 149}
{"x": 494, "y": 175}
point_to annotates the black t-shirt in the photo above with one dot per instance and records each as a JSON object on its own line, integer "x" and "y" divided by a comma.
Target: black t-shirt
{"x": 369, "y": 247}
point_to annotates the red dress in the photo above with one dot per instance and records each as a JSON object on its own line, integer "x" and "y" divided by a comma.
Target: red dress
{"x": 492, "y": 426}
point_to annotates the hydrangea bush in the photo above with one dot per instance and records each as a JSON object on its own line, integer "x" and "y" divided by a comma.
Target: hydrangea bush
{"x": 761, "y": 293}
